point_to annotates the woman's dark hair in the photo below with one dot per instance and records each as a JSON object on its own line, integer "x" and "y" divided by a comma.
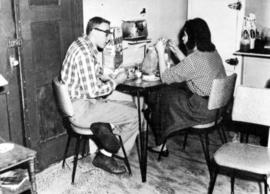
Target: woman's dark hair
{"x": 198, "y": 35}
{"x": 94, "y": 22}
{"x": 181, "y": 45}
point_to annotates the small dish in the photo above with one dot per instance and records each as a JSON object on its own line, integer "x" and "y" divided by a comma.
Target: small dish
{"x": 5, "y": 147}
{"x": 150, "y": 78}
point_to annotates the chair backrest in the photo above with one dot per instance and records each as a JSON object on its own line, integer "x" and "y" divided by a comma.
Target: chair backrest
{"x": 63, "y": 99}
{"x": 221, "y": 92}
{"x": 252, "y": 105}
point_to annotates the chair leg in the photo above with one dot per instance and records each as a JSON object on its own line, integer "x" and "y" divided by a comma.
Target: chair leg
{"x": 77, "y": 148}
{"x": 213, "y": 179}
{"x": 66, "y": 150}
{"x": 241, "y": 137}
{"x": 207, "y": 152}
{"x": 224, "y": 134}
{"x": 265, "y": 185}
{"x": 84, "y": 146}
{"x": 205, "y": 148}
{"x": 125, "y": 155}
{"x": 185, "y": 140}
{"x": 159, "y": 155}
{"x": 247, "y": 137}
{"x": 232, "y": 183}
{"x": 221, "y": 135}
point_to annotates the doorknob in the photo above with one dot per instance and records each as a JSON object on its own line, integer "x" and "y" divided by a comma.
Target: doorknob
{"x": 236, "y": 6}
{"x": 232, "y": 61}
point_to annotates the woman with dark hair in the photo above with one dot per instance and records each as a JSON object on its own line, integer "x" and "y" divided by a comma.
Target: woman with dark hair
{"x": 183, "y": 101}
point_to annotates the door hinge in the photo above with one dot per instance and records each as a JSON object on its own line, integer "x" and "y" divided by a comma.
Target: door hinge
{"x": 232, "y": 61}
{"x": 236, "y": 6}
{"x": 15, "y": 43}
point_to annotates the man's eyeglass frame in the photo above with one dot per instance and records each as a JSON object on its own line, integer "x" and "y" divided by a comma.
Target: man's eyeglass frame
{"x": 107, "y": 32}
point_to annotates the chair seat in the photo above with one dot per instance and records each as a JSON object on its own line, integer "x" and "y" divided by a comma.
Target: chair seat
{"x": 245, "y": 157}
{"x": 87, "y": 131}
{"x": 207, "y": 125}
{"x": 81, "y": 131}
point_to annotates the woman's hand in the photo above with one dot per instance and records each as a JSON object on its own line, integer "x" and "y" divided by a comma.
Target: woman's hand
{"x": 177, "y": 52}
{"x": 160, "y": 45}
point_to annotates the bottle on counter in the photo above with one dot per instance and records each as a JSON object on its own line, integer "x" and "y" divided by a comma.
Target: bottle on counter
{"x": 245, "y": 37}
{"x": 252, "y": 29}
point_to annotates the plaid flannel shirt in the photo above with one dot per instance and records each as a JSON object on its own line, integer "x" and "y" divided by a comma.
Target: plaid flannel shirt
{"x": 198, "y": 70}
{"x": 81, "y": 71}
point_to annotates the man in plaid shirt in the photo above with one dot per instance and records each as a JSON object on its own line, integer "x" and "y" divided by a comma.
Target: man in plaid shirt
{"x": 88, "y": 87}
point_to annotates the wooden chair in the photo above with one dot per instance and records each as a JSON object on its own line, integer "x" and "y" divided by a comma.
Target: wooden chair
{"x": 73, "y": 131}
{"x": 220, "y": 96}
{"x": 251, "y": 105}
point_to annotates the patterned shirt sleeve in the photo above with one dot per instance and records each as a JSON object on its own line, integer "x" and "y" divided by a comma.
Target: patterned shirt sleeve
{"x": 88, "y": 75}
{"x": 67, "y": 72}
{"x": 179, "y": 73}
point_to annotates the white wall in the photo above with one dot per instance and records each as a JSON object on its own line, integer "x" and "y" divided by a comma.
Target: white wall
{"x": 224, "y": 24}
{"x": 261, "y": 9}
{"x": 164, "y": 18}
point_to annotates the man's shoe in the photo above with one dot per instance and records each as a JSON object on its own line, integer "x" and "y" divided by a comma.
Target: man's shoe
{"x": 108, "y": 164}
{"x": 164, "y": 153}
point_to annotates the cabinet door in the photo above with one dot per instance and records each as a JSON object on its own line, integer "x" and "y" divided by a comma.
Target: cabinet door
{"x": 256, "y": 72}
{"x": 225, "y": 25}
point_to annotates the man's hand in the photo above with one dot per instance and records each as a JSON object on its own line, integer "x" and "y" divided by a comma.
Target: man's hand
{"x": 120, "y": 77}
{"x": 105, "y": 77}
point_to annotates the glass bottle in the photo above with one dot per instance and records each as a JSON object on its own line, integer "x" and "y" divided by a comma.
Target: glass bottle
{"x": 252, "y": 29}
{"x": 245, "y": 39}
{"x": 118, "y": 39}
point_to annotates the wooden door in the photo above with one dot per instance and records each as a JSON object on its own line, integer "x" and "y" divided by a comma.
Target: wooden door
{"x": 10, "y": 114}
{"x": 47, "y": 28}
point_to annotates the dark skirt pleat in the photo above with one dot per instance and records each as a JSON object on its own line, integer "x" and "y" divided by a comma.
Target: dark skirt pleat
{"x": 175, "y": 107}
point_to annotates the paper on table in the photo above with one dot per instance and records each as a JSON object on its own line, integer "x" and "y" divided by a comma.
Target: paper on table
{"x": 5, "y": 147}
{"x": 150, "y": 78}
{"x": 133, "y": 55}
{"x": 3, "y": 81}
{"x": 14, "y": 180}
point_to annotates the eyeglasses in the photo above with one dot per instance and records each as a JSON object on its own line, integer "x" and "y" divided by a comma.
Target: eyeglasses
{"x": 107, "y": 32}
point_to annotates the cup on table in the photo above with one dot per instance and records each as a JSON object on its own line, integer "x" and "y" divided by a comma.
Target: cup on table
{"x": 130, "y": 71}
{"x": 138, "y": 73}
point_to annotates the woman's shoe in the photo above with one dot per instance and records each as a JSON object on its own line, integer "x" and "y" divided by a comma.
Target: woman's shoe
{"x": 164, "y": 153}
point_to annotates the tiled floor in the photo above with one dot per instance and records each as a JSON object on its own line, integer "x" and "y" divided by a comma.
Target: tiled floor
{"x": 182, "y": 172}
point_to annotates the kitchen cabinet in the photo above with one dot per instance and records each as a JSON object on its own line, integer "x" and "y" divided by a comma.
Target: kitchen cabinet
{"x": 255, "y": 70}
